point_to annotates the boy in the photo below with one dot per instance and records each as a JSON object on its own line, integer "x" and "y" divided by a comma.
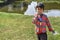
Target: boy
{"x": 41, "y": 20}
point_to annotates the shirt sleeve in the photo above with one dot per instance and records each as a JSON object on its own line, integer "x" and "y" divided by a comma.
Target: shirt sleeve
{"x": 48, "y": 24}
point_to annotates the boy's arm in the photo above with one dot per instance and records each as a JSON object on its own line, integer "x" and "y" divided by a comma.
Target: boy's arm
{"x": 34, "y": 20}
{"x": 49, "y": 25}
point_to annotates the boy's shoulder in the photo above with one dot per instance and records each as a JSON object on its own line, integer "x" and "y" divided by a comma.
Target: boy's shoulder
{"x": 44, "y": 15}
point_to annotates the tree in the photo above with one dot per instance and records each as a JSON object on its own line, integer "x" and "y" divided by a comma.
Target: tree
{"x": 6, "y": 2}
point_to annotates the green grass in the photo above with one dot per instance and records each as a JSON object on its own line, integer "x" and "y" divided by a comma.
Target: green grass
{"x": 20, "y": 27}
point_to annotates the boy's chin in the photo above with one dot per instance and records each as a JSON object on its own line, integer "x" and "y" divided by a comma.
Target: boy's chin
{"x": 39, "y": 13}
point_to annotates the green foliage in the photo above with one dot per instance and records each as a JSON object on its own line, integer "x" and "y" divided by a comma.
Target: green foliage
{"x": 52, "y": 5}
{"x": 48, "y": 5}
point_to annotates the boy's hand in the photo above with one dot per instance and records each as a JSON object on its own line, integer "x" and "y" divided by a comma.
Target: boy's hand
{"x": 54, "y": 32}
{"x": 35, "y": 19}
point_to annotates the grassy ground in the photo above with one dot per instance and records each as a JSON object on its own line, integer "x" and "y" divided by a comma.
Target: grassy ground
{"x": 19, "y": 27}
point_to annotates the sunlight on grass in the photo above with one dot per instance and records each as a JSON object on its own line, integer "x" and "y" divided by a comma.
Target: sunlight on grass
{"x": 20, "y": 27}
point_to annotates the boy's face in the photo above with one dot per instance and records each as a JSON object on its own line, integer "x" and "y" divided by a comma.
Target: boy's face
{"x": 39, "y": 10}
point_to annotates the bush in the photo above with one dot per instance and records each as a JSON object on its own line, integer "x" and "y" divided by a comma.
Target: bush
{"x": 48, "y": 6}
{"x": 52, "y": 5}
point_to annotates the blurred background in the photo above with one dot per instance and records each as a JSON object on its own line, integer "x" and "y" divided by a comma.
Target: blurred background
{"x": 20, "y": 6}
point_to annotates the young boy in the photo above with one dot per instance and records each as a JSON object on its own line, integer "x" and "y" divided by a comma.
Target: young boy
{"x": 41, "y": 20}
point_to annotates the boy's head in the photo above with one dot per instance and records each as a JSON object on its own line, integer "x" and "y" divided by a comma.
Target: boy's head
{"x": 40, "y": 8}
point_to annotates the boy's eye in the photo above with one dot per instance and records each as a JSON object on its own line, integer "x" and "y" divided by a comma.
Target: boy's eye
{"x": 38, "y": 9}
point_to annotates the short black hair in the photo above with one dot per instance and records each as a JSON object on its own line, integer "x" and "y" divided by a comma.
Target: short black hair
{"x": 41, "y": 5}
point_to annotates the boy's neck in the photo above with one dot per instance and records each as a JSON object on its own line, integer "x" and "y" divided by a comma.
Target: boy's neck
{"x": 40, "y": 14}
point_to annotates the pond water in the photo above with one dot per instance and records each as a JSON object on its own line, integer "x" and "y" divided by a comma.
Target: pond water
{"x": 31, "y": 10}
